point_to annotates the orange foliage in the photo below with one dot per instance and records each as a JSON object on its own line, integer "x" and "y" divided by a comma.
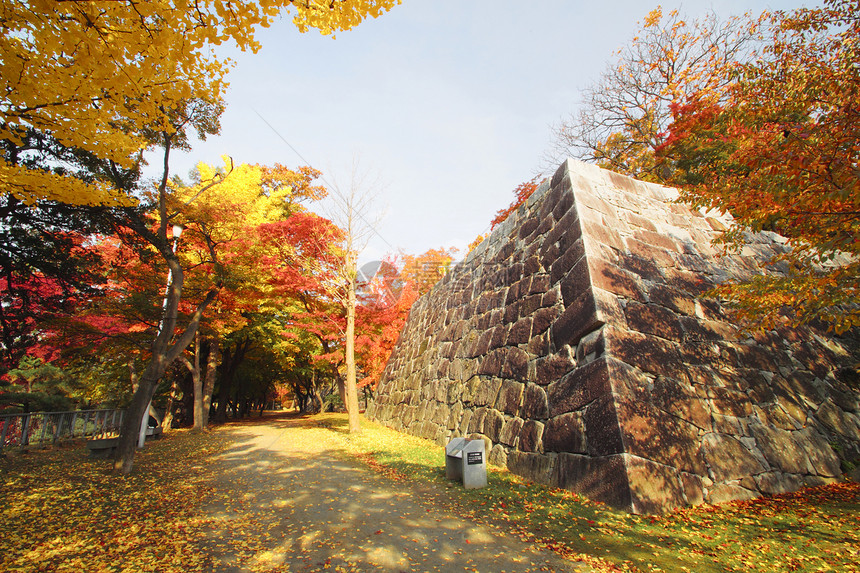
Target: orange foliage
{"x": 521, "y": 193}
{"x": 778, "y": 149}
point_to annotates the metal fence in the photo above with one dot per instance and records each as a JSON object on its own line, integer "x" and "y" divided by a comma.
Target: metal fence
{"x": 42, "y": 428}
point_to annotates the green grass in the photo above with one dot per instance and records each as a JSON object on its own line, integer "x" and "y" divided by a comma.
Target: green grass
{"x": 816, "y": 529}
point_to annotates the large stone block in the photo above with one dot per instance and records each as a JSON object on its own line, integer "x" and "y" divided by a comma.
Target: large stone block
{"x": 493, "y": 422}
{"x": 602, "y": 479}
{"x": 585, "y": 314}
{"x": 486, "y": 391}
{"x": 649, "y": 353}
{"x": 565, "y": 433}
{"x": 654, "y": 319}
{"x": 531, "y": 437}
{"x": 651, "y": 433}
{"x": 516, "y": 364}
{"x": 510, "y": 432}
{"x": 728, "y": 459}
{"x": 535, "y": 403}
{"x": 840, "y": 422}
{"x": 510, "y": 397}
{"x": 776, "y": 482}
{"x": 536, "y": 467}
{"x": 565, "y": 261}
{"x": 653, "y": 487}
{"x": 728, "y": 492}
{"x": 614, "y": 279}
{"x": 576, "y": 282}
{"x": 520, "y": 332}
{"x": 581, "y": 386}
{"x": 780, "y": 449}
{"x": 603, "y": 433}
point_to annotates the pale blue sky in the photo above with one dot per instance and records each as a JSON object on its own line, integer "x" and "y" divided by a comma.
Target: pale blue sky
{"x": 450, "y": 102}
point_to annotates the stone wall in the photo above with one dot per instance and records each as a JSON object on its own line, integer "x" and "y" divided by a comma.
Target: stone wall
{"x": 575, "y": 341}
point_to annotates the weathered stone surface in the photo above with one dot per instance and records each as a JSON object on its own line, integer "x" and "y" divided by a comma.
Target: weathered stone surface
{"x": 476, "y": 423}
{"x": 580, "y": 387}
{"x": 614, "y": 279}
{"x": 776, "y": 482}
{"x": 602, "y": 479}
{"x": 493, "y": 422}
{"x": 654, "y": 319}
{"x": 486, "y": 391}
{"x": 531, "y": 436}
{"x": 516, "y": 364}
{"x": 552, "y": 368}
{"x": 653, "y": 487}
{"x": 647, "y": 352}
{"x": 533, "y": 466}
{"x": 498, "y": 456}
{"x": 728, "y": 459}
{"x": 575, "y": 341}
{"x": 651, "y": 433}
{"x": 822, "y": 458}
{"x": 780, "y": 449}
{"x": 726, "y": 492}
{"x": 841, "y": 422}
{"x": 511, "y": 431}
{"x": 535, "y": 404}
{"x": 579, "y": 318}
{"x": 694, "y": 488}
{"x": 565, "y": 433}
{"x": 603, "y": 435}
{"x": 510, "y": 397}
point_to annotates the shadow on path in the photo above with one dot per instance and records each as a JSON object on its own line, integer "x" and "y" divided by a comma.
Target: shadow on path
{"x": 286, "y": 501}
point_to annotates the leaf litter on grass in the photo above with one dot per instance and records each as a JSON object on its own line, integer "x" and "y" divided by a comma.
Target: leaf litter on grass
{"x": 814, "y": 529}
{"x": 63, "y": 511}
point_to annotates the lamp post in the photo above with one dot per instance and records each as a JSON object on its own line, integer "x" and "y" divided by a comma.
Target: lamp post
{"x": 177, "y": 231}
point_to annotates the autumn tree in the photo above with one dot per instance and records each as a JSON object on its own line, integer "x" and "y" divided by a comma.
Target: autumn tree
{"x": 351, "y": 213}
{"x": 777, "y": 144}
{"x": 122, "y": 76}
{"x": 521, "y": 194}
{"x": 229, "y": 218}
{"x": 623, "y": 116}
{"x": 117, "y": 69}
{"x": 385, "y": 297}
{"x": 421, "y": 272}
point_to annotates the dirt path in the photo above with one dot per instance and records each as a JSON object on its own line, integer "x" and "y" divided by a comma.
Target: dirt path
{"x": 287, "y": 501}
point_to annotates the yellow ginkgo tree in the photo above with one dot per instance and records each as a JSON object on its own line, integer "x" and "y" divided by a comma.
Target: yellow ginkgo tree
{"x": 100, "y": 75}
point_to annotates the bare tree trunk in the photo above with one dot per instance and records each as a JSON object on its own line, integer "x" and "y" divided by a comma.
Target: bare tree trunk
{"x": 350, "y": 217}
{"x": 168, "y": 414}
{"x": 133, "y": 375}
{"x": 351, "y": 390}
{"x": 163, "y": 354}
{"x": 209, "y": 379}
{"x": 197, "y": 381}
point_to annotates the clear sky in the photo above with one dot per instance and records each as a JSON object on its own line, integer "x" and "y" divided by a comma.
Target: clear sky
{"x": 448, "y": 103}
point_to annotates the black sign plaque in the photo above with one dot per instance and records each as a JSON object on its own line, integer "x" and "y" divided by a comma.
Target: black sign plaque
{"x": 474, "y": 458}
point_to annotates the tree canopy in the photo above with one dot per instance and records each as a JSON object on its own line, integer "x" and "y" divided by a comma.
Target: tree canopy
{"x": 778, "y": 147}
{"x": 623, "y": 116}
{"x": 103, "y": 76}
